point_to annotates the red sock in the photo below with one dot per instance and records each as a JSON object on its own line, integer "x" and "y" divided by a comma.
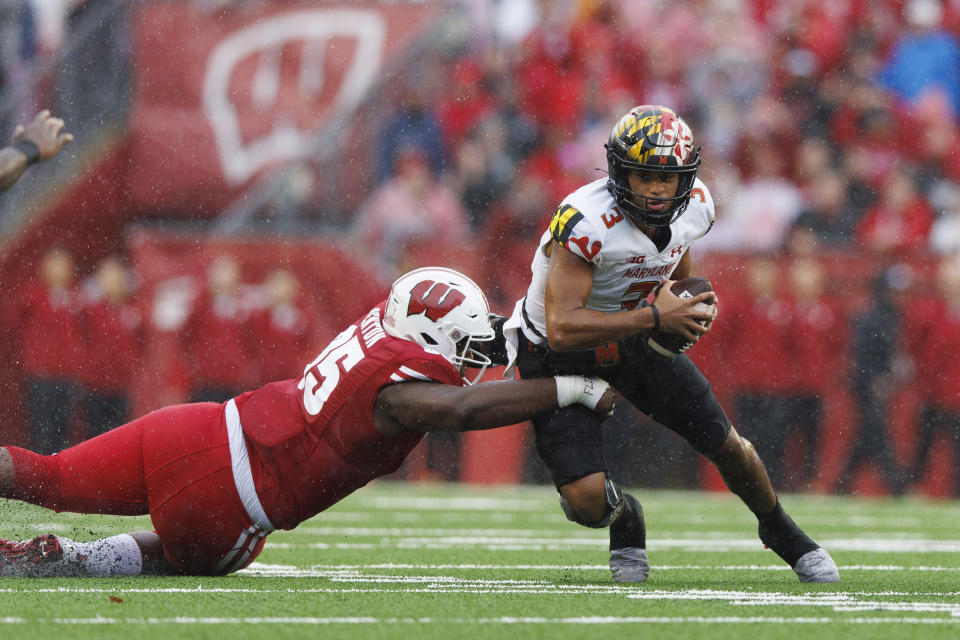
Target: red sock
{"x": 36, "y": 478}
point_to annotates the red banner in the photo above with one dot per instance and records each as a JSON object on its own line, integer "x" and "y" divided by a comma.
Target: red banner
{"x": 220, "y": 95}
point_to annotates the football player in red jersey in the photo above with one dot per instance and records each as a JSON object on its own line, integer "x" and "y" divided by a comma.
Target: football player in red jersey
{"x": 39, "y": 140}
{"x": 217, "y": 478}
{"x": 612, "y": 243}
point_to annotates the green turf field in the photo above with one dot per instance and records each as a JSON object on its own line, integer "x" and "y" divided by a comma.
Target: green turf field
{"x": 444, "y": 561}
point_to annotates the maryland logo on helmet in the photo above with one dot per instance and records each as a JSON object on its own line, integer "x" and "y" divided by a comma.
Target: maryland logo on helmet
{"x": 654, "y": 135}
{"x": 651, "y": 138}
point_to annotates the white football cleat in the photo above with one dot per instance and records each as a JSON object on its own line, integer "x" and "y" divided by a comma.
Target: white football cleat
{"x": 817, "y": 566}
{"x": 629, "y": 564}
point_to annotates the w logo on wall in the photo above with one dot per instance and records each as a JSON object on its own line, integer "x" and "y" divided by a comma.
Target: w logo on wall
{"x": 270, "y": 85}
{"x": 436, "y": 299}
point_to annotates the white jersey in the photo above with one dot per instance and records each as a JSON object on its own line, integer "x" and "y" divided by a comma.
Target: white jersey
{"x": 627, "y": 265}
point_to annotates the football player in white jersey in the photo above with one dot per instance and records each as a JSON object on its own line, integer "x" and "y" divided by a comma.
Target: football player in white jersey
{"x": 610, "y": 245}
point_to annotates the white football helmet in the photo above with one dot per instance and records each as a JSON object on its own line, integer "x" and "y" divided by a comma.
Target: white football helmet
{"x": 443, "y": 311}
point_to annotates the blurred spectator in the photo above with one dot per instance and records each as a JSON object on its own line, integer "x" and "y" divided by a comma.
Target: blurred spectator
{"x": 113, "y": 330}
{"x": 518, "y": 127}
{"x": 812, "y": 362}
{"x": 818, "y": 32}
{"x": 513, "y": 230}
{"x": 899, "y": 221}
{"x": 756, "y": 329}
{"x": 926, "y": 58}
{"x": 465, "y": 102}
{"x": 483, "y": 171}
{"x": 938, "y": 154}
{"x": 547, "y": 163}
{"x": 878, "y": 369}
{"x": 414, "y": 126}
{"x": 216, "y": 338}
{"x": 411, "y": 207}
{"x": 283, "y": 329}
{"x": 764, "y": 206}
{"x": 865, "y": 128}
{"x": 800, "y": 242}
{"x": 860, "y": 192}
{"x": 938, "y": 370}
{"x": 813, "y": 158}
{"x": 514, "y": 19}
{"x": 584, "y": 156}
{"x": 51, "y": 351}
{"x": 945, "y": 232}
{"x": 551, "y": 82}
{"x": 809, "y": 108}
{"x": 830, "y": 216}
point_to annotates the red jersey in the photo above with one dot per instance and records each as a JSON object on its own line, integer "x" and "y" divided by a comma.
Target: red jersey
{"x": 938, "y": 368}
{"x": 282, "y": 335}
{"x": 51, "y": 341}
{"x": 757, "y": 334}
{"x": 814, "y": 359}
{"x": 217, "y": 335}
{"x": 114, "y": 345}
{"x": 311, "y": 440}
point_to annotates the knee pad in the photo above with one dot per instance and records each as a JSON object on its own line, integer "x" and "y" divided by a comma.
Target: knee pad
{"x": 614, "y": 506}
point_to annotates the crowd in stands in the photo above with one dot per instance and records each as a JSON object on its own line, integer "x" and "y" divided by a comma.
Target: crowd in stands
{"x": 836, "y": 118}
{"x": 829, "y": 131}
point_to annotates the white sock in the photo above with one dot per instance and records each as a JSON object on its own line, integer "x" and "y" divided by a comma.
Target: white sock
{"x": 115, "y": 556}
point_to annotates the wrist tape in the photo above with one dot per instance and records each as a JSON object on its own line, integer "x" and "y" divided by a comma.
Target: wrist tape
{"x": 579, "y": 389}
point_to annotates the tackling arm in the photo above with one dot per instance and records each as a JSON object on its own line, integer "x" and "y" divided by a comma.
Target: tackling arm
{"x": 428, "y": 406}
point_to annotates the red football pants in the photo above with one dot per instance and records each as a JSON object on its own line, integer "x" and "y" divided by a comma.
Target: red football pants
{"x": 173, "y": 464}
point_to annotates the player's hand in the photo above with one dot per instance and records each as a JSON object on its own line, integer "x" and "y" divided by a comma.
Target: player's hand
{"x": 607, "y": 402}
{"x": 681, "y": 316}
{"x": 46, "y": 132}
{"x": 716, "y": 311}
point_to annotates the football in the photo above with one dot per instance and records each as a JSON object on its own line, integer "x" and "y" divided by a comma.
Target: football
{"x": 673, "y": 344}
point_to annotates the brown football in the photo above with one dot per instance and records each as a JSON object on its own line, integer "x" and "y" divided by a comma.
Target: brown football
{"x": 673, "y": 344}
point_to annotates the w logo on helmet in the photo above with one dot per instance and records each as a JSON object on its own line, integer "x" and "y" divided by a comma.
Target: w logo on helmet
{"x": 436, "y": 299}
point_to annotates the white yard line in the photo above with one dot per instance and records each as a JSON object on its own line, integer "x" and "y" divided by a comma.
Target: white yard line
{"x": 504, "y": 620}
{"x": 546, "y": 533}
{"x": 551, "y": 513}
{"x": 566, "y": 543}
{"x": 350, "y": 579}
{"x": 256, "y": 567}
{"x": 457, "y": 503}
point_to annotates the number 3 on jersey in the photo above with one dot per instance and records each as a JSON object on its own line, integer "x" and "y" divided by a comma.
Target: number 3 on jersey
{"x": 643, "y": 287}
{"x": 322, "y": 375}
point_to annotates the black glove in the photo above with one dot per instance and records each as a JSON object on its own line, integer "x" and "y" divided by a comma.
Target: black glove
{"x": 498, "y": 346}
